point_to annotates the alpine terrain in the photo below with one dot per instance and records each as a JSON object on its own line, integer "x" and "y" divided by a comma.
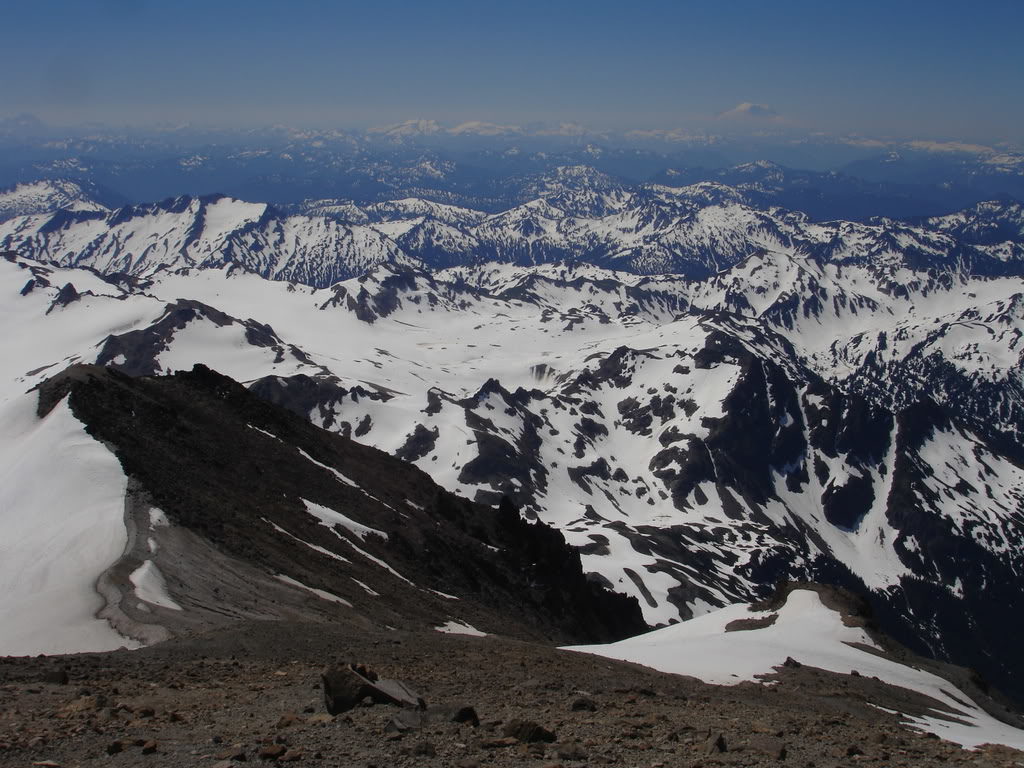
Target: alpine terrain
{"x": 790, "y": 447}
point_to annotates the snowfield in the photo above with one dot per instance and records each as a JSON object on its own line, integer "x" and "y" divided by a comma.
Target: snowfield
{"x": 62, "y": 517}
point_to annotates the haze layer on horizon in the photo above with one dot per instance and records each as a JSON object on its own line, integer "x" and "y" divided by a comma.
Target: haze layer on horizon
{"x": 908, "y": 69}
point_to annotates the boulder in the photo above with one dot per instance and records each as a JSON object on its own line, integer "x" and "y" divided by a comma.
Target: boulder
{"x": 346, "y": 685}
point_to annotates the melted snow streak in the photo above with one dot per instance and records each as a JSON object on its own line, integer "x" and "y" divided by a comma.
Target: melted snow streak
{"x": 322, "y": 594}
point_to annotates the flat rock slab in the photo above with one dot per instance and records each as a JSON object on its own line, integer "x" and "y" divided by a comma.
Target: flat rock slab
{"x": 346, "y": 685}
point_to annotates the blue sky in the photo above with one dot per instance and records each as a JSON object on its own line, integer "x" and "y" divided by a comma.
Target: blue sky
{"x": 936, "y": 69}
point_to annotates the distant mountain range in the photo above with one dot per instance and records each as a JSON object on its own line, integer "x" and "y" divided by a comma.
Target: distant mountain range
{"x": 490, "y": 167}
{"x": 573, "y": 213}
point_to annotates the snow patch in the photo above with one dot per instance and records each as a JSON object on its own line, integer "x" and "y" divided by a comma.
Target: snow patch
{"x": 330, "y": 518}
{"x": 150, "y": 586}
{"x": 318, "y": 592}
{"x": 460, "y": 628}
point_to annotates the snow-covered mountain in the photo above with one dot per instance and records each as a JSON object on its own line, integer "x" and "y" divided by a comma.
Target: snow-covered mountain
{"x": 42, "y": 197}
{"x": 408, "y": 129}
{"x": 575, "y": 213}
{"x": 203, "y": 232}
{"x": 695, "y": 440}
{"x": 888, "y": 308}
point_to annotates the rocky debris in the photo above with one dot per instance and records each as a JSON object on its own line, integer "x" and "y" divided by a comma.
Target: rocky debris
{"x": 770, "y": 746}
{"x": 499, "y": 742}
{"x": 465, "y": 715}
{"x": 528, "y": 731}
{"x": 716, "y": 743}
{"x": 573, "y": 752}
{"x": 272, "y": 751}
{"x": 416, "y": 719}
{"x": 243, "y": 696}
{"x": 406, "y": 721}
{"x": 424, "y": 749}
{"x": 236, "y": 753}
{"x": 56, "y": 676}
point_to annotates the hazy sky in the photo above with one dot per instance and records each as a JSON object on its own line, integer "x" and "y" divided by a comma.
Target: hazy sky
{"x": 896, "y": 68}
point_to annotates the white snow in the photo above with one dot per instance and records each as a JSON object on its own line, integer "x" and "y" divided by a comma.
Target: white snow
{"x": 460, "y": 628}
{"x": 330, "y": 518}
{"x": 323, "y": 594}
{"x": 445, "y": 595}
{"x": 150, "y": 586}
{"x": 366, "y": 589}
{"x": 62, "y": 516}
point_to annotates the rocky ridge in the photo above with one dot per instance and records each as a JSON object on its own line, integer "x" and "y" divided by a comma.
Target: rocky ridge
{"x": 272, "y": 500}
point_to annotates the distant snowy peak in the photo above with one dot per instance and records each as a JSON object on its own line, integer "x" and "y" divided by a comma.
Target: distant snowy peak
{"x": 407, "y": 129}
{"x": 411, "y": 208}
{"x": 574, "y": 213}
{"x": 40, "y": 197}
{"x": 701, "y": 194}
{"x": 342, "y": 210}
{"x": 483, "y": 128}
{"x": 213, "y": 231}
{"x": 985, "y": 223}
{"x": 410, "y": 131}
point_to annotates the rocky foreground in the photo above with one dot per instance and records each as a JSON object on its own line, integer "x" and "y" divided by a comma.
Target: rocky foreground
{"x": 254, "y": 693}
